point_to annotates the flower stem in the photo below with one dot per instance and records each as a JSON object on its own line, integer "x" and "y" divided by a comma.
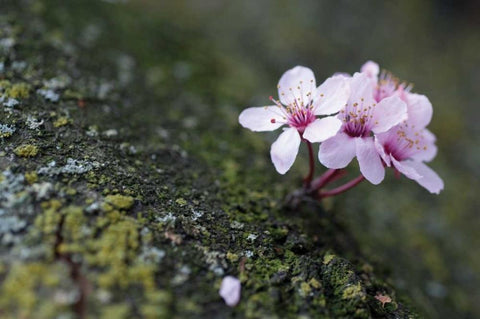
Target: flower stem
{"x": 308, "y": 179}
{"x": 345, "y": 187}
{"x": 325, "y": 178}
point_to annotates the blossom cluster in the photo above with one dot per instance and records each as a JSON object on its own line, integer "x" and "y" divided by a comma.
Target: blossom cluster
{"x": 370, "y": 116}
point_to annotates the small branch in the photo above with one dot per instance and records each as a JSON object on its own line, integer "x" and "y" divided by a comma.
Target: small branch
{"x": 345, "y": 187}
{"x": 311, "y": 158}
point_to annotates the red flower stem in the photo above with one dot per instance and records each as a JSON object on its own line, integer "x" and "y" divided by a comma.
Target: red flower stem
{"x": 345, "y": 187}
{"x": 308, "y": 179}
{"x": 338, "y": 174}
{"x": 325, "y": 178}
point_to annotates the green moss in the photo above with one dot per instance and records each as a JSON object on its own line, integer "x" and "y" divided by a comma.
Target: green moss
{"x": 26, "y": 150}
{"x": 120, "y": 201}
{"x": 344, "y": 289}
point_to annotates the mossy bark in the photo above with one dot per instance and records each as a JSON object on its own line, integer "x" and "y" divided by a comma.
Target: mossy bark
{"x": 117, "y": 202}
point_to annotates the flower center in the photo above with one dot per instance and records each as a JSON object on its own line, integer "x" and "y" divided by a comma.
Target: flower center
{"x": 300, "y": 118}
{"x": 403, "y": 142}
{"x": 389, "y": 85}
{"x": 299, "y": 113}
{"x": 357, "y": 118}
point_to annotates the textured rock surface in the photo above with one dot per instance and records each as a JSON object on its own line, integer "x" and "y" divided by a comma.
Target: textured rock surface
{"x": 120, "y": 202}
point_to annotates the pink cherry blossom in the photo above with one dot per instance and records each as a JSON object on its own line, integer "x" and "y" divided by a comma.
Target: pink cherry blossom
{"x": 406, "y": 146}
{"x": 385, "y": 83}
{"x": 230, "y": 290}
{"x": 299, "y": 104}
{"x": 362, "y": 117}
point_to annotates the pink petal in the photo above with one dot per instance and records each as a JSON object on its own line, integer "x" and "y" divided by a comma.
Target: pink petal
{"x": 322, "y": 129}
{"x": 381, "y": 150}
{"x": 370, "y": 163}
{"x": 388, "y": 113}
{"x": 331, "y": 96}
{"x": 371, "y": 69}
{"x": 296, "y": 85}
{"x": 230, "y": 290}
{"x": 419, "y": 110}
{"x": 285, "y": 149}
{"x": 337, "y": 151}
{"x": 406, "y": 169}
{"x": 265, "y": 118}
{"x": 428, "y": 154}
{"x": 430, "y": 180}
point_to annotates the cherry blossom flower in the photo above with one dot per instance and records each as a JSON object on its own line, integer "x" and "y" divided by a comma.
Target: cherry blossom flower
{"x": 362, "y": 117}
{"x": 409, "y": 144}
{"x": 406, "y": 146}
{"x": 385, "y": 83}
{"x": 299, "y": 104}
{"x": 230, "y": 290}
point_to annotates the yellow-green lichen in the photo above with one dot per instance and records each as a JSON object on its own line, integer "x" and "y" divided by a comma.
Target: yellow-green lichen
{"x": 232, "y": 257}
{"x": 20, "y": 289}
{"x": 18, "y": 91}
{"x": 181, "y": 201}
{"x": 61, "y": 121}
{"x": 31, "y": 177}
{"x": 6, "y": 131}
{"x": 4, "y": 85}
{"x": 26, "y": 150}
{"x": 315, "y": 283}
{"x": 327, "y": 258}
{"x": 46, "y": 224}
{"x": 305, "y": 289}
{"x": 120, "y": 201}
{"x": 354, "y": 291}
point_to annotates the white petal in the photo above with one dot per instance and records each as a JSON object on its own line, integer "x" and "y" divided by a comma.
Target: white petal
{"x": 343, "y": 74}
{"x": 296, "y": 85}
{"x": 361, "y": 90}
{"x": 264, "y": 118}
{"x": 337, "y": 151}
{"x": 331, "y": 96}
{"x": 430, "y": 180}
{"x": 419, "y": 110}
{"x": 230, "y": 290}
{"x": 322, "y": 129}
{"x": 406, "y": 169}
{"x": 370, "y": 163}
{"x": 388, "y": 113}
{"x": 285, "y": 149}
